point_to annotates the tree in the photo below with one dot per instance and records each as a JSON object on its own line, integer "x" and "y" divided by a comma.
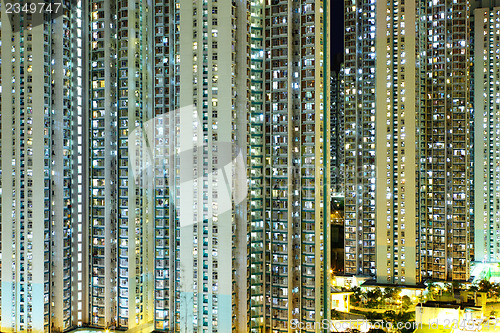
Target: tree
{"x": 394, "y": 318}
{"x": 389, "y": 292}
{"x": 492, "y": 289}
{"x": 474, "y": 288}
{"x": 373, "y": 316}
{"x": 374, "y": 296}
{"x": 433, "y": 291}
{"x": 389, "y": 316}
{"x": 457, "y": 286}
{"x": 495, "y": 290}
{"x": 406, "y": 302}
{"x": 448, "y": 288}
{"x": 356, "y": 297}
{"x": 484, "y": 286}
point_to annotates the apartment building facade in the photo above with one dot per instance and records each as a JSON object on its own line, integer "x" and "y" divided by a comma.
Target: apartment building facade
{"x": 43, "y": 258}
{"x": 337, "y": 130}
{"x": 120, "y": 208}
{"x": 359, "y": 122}
{"x": 486, "y": 151}
{"x": 443, "y": 119}
{"x": 297, "y": 207}
{"x": 421, "y": 113}
{"x": 197, "y": 162}
{"x": 396, "y": 102}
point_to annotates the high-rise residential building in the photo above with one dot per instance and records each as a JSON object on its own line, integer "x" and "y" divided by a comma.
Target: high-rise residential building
{"x": 287, "y": 206}
{"x": 43, "y": 255}
{"x": 487, "y": 133}
{"x": 359, "y": 122}
{"x": 337, "y": 131}
{"x": 444, "y": 226}
{"x": 296, "y": 196}
{"x": 419, "y": 104}
{"x": 258, "y": 296}
{"x": 120, "y": 201}
{"x": 200, "y": 104}
{"x": 423, "y": 200}
{"x": 396, "y": 151}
